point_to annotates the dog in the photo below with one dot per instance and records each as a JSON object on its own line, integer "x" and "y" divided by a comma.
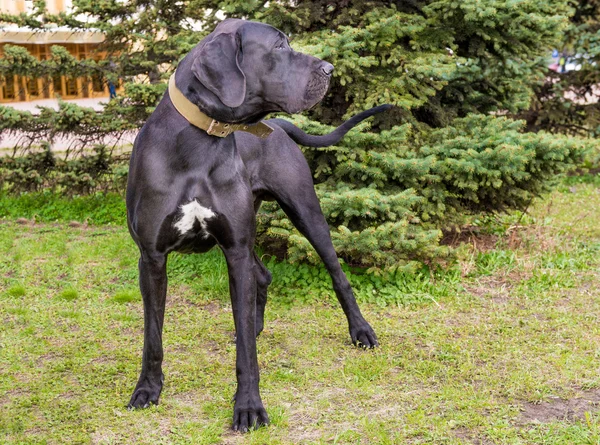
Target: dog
{"x": 199, "y": 170}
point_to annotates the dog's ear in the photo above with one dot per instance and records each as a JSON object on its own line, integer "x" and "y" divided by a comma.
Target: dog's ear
{"x": 217, "y": 68}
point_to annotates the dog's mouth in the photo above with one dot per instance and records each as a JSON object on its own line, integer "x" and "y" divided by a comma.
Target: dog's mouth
{"x": 315, "y": 90}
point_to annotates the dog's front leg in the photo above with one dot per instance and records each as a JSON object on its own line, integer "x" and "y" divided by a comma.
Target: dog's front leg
{"x": 248, "y": 411}
{"x": 153, "y": 286}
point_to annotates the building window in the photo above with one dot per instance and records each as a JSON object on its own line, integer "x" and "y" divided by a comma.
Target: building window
{"x": 33, "y": 88}
{"x": 8, "y": 87}
{"x": 71, "y": 84}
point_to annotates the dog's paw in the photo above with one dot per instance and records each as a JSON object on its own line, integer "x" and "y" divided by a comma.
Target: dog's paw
{"x": 364, "y": 336}
{"x": 249, "y": 418}
{"x": 146, "y": 393}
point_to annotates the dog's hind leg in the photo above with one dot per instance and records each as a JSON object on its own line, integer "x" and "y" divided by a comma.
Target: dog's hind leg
{"x": 309, "y": 220}
{"x": 263, "y": 279}
{"x": 153, "y": 286}
{"x": 292, "y": 186}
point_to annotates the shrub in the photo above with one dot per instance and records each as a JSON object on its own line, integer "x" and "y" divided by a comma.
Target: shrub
{"x": 388, "y": 196}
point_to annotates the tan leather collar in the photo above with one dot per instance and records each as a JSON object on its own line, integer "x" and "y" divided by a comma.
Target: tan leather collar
{"x": 215, "y": 128}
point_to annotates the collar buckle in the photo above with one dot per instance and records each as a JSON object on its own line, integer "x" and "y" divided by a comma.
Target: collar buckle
{"x": 220, "y": 129}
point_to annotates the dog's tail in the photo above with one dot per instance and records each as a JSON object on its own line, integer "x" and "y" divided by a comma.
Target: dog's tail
{"x": 309, "y": 140}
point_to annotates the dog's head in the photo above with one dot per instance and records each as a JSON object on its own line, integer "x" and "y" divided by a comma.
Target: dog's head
{"x": 244, "y": 70}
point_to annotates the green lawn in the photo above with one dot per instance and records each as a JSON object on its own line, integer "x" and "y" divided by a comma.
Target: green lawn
{"x": 502, "y": 349}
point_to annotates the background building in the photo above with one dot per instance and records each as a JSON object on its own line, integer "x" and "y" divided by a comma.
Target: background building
{"x": 82, "y": 45}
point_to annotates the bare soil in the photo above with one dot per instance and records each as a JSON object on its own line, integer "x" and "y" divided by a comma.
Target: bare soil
{"x": 559, "y": 409}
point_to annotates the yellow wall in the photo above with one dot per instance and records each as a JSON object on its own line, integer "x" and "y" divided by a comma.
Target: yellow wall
{"x": 12, "y": 6}
{"x": 17, "y": 6}
{"x": 55, "y": 6}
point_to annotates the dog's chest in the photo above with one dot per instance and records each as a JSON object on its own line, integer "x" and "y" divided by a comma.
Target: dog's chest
{"x": 194, "y": 217}
{"x": 188, "y": 228}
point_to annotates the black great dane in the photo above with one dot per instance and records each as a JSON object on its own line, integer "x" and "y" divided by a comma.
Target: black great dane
{"x": 193, "y": 184}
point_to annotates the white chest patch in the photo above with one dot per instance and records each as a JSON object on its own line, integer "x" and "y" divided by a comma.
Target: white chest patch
{"x": 193, "y": 211}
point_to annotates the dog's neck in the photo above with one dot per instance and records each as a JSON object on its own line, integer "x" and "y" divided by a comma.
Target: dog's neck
{"x": 213, "y": 127}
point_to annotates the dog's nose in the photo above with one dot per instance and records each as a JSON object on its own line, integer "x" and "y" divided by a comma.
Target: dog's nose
{"x": 327, "y": 68}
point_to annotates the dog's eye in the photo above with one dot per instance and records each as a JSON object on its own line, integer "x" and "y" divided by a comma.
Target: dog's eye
{"x": 282, "y": 44}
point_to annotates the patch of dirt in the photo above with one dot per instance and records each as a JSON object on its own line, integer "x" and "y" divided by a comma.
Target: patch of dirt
{"x": 496, "y": 288}
{"x": 230, "y": 437}
{"x": 69, "y": 395}
{"x": 212, "y": 308}
{"x": 103, "y": 360}
{"x": 302, "y": 426}
{"x": 514, "y": 237}
{"x": 14, "y": 395}
{"x": 470, "y": 235}
{"x": 468, "y": 436}
{"x": 49, "y": 357}
{"x": 492, "y": 287}
{"x": 189, "y": 399}
{"x": 179, "y": 297}
{"x": 103, "y": 436}
{"x": 560, "y": 409}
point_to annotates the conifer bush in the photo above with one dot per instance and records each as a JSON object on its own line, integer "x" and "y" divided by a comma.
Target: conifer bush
{"x": 388, "y": 195}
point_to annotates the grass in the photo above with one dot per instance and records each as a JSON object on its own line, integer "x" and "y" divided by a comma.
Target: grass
{"x": 49, "y": 207}
{"x": 504, "y": 348}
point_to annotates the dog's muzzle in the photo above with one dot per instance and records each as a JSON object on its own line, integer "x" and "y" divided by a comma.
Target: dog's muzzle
{"x": 315, "y": 89}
